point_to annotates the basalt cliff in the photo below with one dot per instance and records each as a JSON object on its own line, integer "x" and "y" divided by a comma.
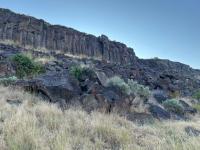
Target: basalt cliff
{"x": 31, "y": 32}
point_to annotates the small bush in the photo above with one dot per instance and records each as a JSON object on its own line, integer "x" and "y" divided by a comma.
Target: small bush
{"x": 139, "y": 89}
{"x": 76, "y": 71}
{"x": 174, "y": 106}
{"x": 7, "y": 81}
{"x": 25, "y": 67}
{"x": 132, "y": 87}
{"x": 117, "y": 81}
{"x": 81, "y": 72}
{"x": 196, "y": 95}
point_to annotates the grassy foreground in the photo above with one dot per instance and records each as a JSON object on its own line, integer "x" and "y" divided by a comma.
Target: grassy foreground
{"x": 37, "y": 125}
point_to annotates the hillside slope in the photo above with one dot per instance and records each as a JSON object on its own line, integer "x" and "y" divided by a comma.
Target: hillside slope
{"x": 67, "y": 67}
{"x": 27, "y": 123}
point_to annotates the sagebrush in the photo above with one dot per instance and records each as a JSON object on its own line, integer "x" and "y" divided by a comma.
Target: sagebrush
{"x": 25, "y": 67}
{"x": 132, "y": 87}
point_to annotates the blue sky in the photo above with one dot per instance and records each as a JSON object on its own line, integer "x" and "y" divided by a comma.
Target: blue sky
{"x": 154, "y": 28}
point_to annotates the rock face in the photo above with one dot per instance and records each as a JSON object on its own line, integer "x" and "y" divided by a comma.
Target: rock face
{"x": 31, "y": 32}
{"x": 178, "y": 78}
{"x": 55, "y": 87}
{"x": 174, "y": 77}
{"x": 59, "y": 85}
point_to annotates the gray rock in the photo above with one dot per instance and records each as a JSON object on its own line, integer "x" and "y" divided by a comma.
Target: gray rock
{"x": 192, "y": 131}
{"x": 14, "y": 102}
{"x": 6, "y": 69}
{"x": 54, "y": 85}
{"x": 160, "y": 96}
{"x": 187, "y": 108}
{"x": 102, "y": 77}
{"x": 111, "y": 96}
{"x": 159, "y": 112}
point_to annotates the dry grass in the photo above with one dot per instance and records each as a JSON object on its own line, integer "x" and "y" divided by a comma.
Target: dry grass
{"x": 45, "y": 59}
{"x": 10, "y": 42}
{"x": 37, "y": 125}
{"x": 40, "y": 59}
{"x": 82, "y": 56}
{"x": 47, "y": 51}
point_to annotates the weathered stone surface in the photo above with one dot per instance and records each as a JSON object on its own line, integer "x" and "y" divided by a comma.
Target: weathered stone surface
{"x": 159, "y": 112}
{"x": 187, "y": 108}
{"x": 102, "y": 77}
{"x": 160, "y": 96}
{"x": 192, "y": 131}
{"x": 14, "y": 102}
{"x": 175, "y": 77}
{"x": 171, "y": 77}
{"x": 55, "y": 86}
{"x": 31, "y": 32}
{"x": 6, "y": 69}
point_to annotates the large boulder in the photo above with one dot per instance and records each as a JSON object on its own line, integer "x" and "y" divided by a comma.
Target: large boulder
{"x": 56, "y": 86}
{"x": 159, "y": 112}
{"x": 6, "y": 69}
{"x": 191, "y": 131}
{"x": 102, "y": 77}
{"x": 187, "y": 108}
{"x": 160, "y": 96}
{"x": 111, "y": 98}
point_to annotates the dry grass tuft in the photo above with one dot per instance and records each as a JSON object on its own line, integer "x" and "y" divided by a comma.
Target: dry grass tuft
{"x": 38, "y": 125}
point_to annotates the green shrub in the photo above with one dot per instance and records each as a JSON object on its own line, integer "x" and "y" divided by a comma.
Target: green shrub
{"x": 81, "y": 72}
{"x": 174, "y": 106}
{"x": 25, "y": 67}
{"x": 139, "y": 89}
{"x": 7, "y": 81}
{"x": 132, "y": 87}
{"x": 76, "y": 71}
{"x": 117, "y": 81}
{"x": 196, "y": 95}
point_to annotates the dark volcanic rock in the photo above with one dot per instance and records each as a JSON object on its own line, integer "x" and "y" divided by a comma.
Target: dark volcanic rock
{"x": 160, "y": 96}
{"x": 187, "y": 108}
{"x": 6, "y": 69}
{"x": 56, "y": 86}
{"x": 192, "y": 131}
{"x": 28, "y": 31}
{"x": 14, "y": 102}
{"x": 175, "y": 77}
{"x": 159, "y": 112}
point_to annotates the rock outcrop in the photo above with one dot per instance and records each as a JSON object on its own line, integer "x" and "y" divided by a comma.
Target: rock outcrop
{"x": 34, "y": 33}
